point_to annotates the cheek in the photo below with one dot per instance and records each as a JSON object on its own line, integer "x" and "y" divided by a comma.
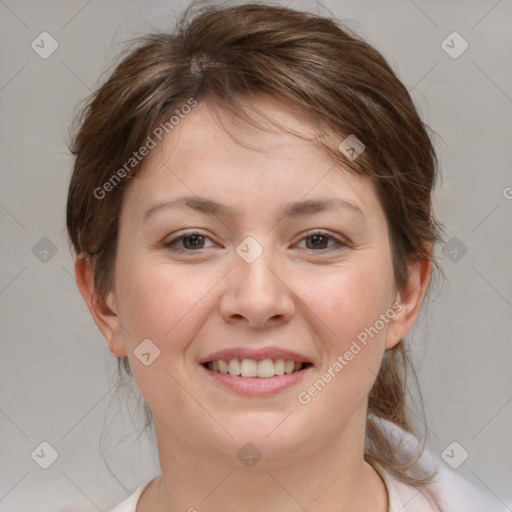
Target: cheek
{"x": 164, "y": 303}
{"x": 353, "y": 315}
{"x": 351, "y": 301}
{"x": 164, "y": 306}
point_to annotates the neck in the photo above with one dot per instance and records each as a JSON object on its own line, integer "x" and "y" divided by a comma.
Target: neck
{"x": 336, "y": 478}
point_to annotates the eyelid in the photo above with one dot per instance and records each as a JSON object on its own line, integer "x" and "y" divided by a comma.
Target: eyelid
{"x": 340, "y": 242}
{"x": 176, "y": 238}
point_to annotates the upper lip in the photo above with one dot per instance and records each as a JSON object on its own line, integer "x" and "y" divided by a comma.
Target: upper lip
{"x": 256, "y": 354}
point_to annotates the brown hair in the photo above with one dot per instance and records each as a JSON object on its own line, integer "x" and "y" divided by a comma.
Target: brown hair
{"x": 223, "y": 55}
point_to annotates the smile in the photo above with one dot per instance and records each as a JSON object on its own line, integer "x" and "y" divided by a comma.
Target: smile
{"x": 264, "y": 369}
{"x": 255, "y": 378}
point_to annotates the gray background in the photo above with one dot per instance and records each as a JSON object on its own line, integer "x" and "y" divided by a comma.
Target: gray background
{"x": 57, "y": 376}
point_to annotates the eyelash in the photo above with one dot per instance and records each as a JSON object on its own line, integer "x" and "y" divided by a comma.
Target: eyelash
{"x": 338, "y": 243}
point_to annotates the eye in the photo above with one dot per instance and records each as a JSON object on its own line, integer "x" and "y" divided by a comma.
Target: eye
{"x": 318, "y": 240}
{"x": 191, "y": 241}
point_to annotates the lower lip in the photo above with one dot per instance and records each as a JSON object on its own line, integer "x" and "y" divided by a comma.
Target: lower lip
{"x": 257, "y": 386}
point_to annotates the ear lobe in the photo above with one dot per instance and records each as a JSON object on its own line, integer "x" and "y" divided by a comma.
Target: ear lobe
{"x": 103, "y": 310}
{"x": 411, "y": 299}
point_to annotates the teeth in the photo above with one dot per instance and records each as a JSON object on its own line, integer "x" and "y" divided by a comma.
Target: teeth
{"x": 223, "y": 367}
{"x": 248, "y": 368}
{"x": 279, "y": 367}
{"x": 266, "y": 368}
{"x": 289, "y": 367}
{"x": 234, "y": 367}
{"x": 251, "y": 368}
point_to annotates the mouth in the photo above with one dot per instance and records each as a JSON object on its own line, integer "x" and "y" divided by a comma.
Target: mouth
{"x": 253, "y": 368}
{"x": 266, "y": 373}
{"x": 255, "y": 372}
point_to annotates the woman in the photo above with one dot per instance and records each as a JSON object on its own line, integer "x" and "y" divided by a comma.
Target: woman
{"x": 251, "y": 213}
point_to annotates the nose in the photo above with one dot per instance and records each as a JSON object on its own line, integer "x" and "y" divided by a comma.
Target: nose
{"x": 256, "y": 294}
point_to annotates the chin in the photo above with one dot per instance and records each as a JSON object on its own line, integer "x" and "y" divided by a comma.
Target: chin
{"x": 263, "y": 432}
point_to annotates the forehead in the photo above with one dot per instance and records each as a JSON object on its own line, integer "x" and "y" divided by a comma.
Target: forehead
{"x": 213, "y": 153}
{"x": 209, "y": 128}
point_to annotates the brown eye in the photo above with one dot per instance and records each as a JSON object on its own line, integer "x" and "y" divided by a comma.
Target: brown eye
{"x": 188, "y": 241}
{"x": 319, "y": 241}
{"x": 193, "y": 242}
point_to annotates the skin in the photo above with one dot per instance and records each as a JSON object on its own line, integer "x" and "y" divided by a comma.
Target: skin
{"x": 314, "y": 301}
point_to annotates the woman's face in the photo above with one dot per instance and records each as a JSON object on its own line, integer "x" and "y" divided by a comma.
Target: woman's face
{"x": 285, "y": 256}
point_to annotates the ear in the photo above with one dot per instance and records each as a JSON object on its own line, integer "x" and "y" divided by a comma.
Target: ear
{"x": 103, "y": 310}
{"x": 411, "y": 299}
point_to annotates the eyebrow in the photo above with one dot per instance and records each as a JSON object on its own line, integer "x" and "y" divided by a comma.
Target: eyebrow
{"x": 294, "y": 209}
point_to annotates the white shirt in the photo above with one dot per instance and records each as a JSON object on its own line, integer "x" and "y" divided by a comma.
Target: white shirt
{"x": 453, "y": 493}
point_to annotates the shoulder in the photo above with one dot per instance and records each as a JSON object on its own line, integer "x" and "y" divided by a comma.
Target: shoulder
{"x": 130, "y": 503}
{"x": 457, "y": 494}
{"x": 451, "y": 492}
{"x": 448, "y": 489}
